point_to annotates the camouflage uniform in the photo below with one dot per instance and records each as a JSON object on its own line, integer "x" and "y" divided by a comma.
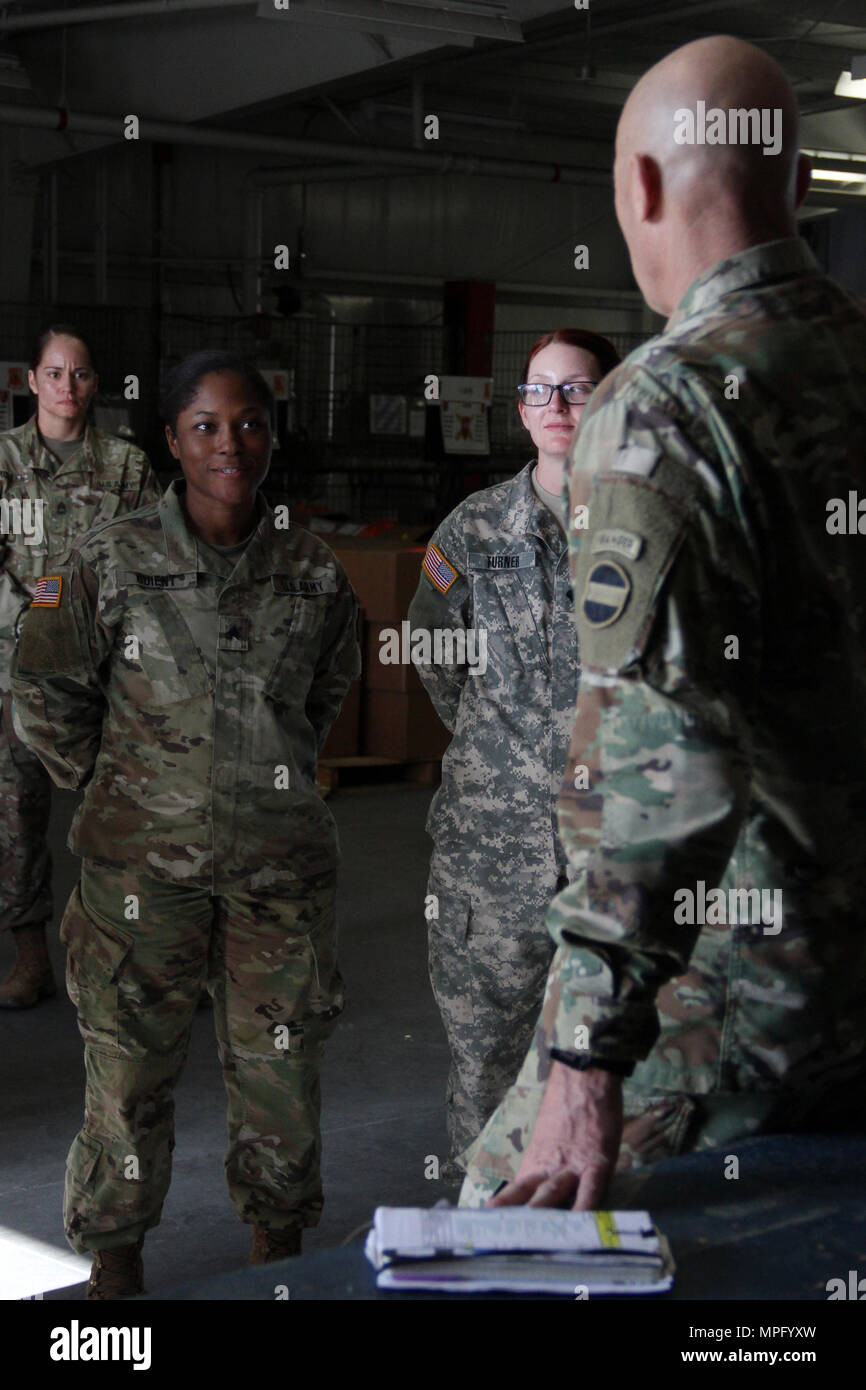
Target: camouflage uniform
{"x": 718, "y": 447}
{"x": 107, "y": 476}
{"x": 208, "y": 852}
{"x": 497, "y": 858}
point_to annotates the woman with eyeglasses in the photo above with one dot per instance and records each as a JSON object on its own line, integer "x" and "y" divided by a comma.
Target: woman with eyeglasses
{"x": 497, "y": 570}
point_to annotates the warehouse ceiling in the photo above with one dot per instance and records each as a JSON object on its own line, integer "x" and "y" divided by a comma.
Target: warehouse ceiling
{"x": 521, "y": 80}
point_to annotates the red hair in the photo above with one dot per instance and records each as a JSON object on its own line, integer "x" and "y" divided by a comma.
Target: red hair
{"x": 601, "y": 348}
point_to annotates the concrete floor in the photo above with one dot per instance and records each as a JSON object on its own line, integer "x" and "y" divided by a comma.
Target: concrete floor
{"x": 383, "y": 1081}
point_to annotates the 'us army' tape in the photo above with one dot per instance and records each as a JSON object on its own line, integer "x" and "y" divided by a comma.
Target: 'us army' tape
{"x": 625, "y": 543}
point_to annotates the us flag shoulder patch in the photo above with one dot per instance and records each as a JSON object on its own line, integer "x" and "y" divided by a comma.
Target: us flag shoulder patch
{"x": 440, "y": 573}
{"x": 47, "y": 591}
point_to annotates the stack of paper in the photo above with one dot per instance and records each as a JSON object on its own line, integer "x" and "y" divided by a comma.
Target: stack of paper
{"x": 518, "y": 1250}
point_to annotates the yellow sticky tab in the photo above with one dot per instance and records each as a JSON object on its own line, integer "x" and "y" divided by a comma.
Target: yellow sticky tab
{"x": 47, "y": 591}
{"x": 607, "y": 1232}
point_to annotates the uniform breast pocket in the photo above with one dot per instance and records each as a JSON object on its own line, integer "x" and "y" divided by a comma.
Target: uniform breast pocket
{"x": 299, "y": 640}
{"x": 504, "y": 608}
{"x": 161, "y": 661}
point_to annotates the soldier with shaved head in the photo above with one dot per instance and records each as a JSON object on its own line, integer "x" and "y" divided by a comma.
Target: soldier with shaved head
{"x": 710, "y": 975}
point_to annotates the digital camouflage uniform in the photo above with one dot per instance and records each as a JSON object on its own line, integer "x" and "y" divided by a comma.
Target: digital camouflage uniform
{"x": 497, "y": 858}
{"x": 208, "y": 852}
{"x": 717, "y": 447}
{"x": 106, "y": 477}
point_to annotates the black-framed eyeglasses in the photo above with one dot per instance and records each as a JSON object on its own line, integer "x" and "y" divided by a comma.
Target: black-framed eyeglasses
{"x": 541, "y": 392}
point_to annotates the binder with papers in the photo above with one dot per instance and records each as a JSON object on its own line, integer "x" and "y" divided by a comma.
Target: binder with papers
{"x": 518, "y": 1250}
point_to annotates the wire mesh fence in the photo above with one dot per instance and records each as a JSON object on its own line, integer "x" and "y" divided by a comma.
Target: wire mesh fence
{"x": 353, "y": 435}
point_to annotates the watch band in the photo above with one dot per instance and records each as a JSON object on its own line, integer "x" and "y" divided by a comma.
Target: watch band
{"x": 586, "y": 1062}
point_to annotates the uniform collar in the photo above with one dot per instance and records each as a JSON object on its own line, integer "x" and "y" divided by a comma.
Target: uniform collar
{"x": 180, "y": 540}
{"x": 772, "y": 260}
{"x": 527, "y": 515}
{"x": 34, "y": 450}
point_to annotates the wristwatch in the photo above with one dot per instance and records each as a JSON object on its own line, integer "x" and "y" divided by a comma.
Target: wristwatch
{"x": 585, "y": 1063}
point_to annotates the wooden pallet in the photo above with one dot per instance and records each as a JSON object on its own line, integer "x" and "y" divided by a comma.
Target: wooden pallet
{"x": 367, "y": 771}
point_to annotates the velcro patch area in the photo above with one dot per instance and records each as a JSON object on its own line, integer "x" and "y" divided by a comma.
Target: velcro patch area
{"x": 438, "y": 570}
{"x": 47, "y": 592}
{"x": 617, "y": 598}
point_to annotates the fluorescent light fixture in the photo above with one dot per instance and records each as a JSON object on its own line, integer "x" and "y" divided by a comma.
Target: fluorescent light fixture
{"x": 837, "y": 166}
{"x": 847, "y": 86}
{"x": 838, "y": 176}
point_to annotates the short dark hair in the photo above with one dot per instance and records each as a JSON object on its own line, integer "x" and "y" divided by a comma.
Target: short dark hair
{"x": 601, "y": 348}
{"x": 57, "y": 330}
{"x": 182, "y": 382}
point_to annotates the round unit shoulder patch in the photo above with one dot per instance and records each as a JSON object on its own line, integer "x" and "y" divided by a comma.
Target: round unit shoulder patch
{"x": 605, "y": 594}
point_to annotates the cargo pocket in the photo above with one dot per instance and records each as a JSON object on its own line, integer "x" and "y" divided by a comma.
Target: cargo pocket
{"x": 96, "y": 951}
{"x": 83, "y": 1161}
{"x": 84, "y": 1165}
{"x": 449, "y": 957}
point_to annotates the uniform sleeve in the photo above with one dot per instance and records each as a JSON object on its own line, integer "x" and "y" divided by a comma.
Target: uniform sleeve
{"x": 13, "y": 596}
{"x": 339, "y": 660}
{"x": 442, "y": 602}
{"x": 658, "y": 777}
{"x": 58, "y": 697}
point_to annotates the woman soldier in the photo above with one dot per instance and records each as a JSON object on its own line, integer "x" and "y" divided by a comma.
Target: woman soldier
{"x": 58, "y": 477}
{"x": 497, "y": 570}
{"x": 185, "y": 666}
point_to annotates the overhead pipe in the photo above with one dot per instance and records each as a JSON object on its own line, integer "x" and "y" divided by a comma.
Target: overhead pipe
{"x": 273, "y": 175}
{"x": 469, "y": 23}
{"x": 91, "y": 14}
{"x": 370, "y": 109}
{"x": 361, "y": 279}
{"x": 214, "y": 137}
{"x": 336, "y": 282}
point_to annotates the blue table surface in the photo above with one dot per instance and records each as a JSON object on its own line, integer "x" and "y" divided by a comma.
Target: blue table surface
{"x": 793, "y": 1219}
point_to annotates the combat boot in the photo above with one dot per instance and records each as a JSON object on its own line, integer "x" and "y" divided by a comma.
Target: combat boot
{"x": 275, "y": 1245}
{"x": 31, "y": 977}
{"x": 117, "y": 1273}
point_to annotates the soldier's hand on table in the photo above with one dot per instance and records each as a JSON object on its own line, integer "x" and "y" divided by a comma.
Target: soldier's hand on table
{"x": 572, "y": 1153}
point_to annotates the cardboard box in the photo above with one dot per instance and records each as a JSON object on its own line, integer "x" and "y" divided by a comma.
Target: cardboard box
{"x": 378, "y": 675}
{"x": 384, "y": 574}
{"x": 403, "y": 725}
{"x": 344, "y": 738}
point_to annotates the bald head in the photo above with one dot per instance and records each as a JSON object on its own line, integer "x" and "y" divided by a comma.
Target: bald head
{"x": 706, "y": 162}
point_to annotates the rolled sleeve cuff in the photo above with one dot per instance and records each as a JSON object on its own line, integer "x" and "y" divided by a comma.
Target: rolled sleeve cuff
{"x": 591, "y": 1026}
